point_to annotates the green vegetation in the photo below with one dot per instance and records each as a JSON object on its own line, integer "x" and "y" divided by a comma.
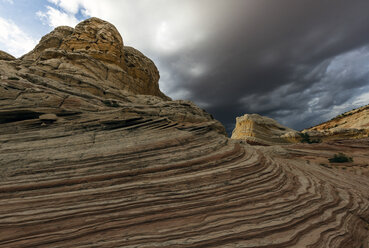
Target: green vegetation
{"x": 340, "y": 158}
{"x": 305, "y": 138}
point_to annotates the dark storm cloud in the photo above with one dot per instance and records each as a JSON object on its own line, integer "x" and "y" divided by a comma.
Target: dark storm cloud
{"x": 287, "y": 59}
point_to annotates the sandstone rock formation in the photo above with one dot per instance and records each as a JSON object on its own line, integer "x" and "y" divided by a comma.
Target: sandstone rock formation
{"x": 261, "y": 130}
{"x": 92, "y": 154}
{"x": 356, "y": 118}
{"x": 92, "y": 57}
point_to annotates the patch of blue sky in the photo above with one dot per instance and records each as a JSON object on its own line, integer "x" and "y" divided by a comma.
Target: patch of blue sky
{"x": 23, "y": 14}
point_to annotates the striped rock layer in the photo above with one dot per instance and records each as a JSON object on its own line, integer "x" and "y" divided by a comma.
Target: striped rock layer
{"x": 80, "y": 168}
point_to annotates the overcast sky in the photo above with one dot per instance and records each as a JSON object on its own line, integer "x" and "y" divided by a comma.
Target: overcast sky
{"x": 298, "y": 61}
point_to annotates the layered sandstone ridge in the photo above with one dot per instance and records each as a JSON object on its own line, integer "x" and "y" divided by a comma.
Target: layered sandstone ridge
{"x": 88, "y": 159}
{"x": 351, "y": 124}
{"x": 356, "y": 118}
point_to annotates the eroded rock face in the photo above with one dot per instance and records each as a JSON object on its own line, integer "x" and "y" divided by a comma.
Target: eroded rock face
{"x": 92, "y": 57}
{"x": 52, "y": 40}
{"x": 143, "y": 70}
{"x": 260, "y": 130}
{"x": 97, "y": 38}
{"x": 87, "y": 162}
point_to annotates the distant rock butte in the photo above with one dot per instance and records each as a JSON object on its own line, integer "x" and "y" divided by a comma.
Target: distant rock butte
{"x": 92, "y": 154}
{"x": 261, "y": 130}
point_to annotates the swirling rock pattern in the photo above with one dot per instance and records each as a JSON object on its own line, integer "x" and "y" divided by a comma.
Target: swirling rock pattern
{"x": 79, "y": 168}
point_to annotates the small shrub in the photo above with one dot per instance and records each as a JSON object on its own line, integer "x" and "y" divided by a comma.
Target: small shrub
{"x": 315, "y": 141}
{"x": 340, "y": 158}
{"x": 306, "y": 139}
